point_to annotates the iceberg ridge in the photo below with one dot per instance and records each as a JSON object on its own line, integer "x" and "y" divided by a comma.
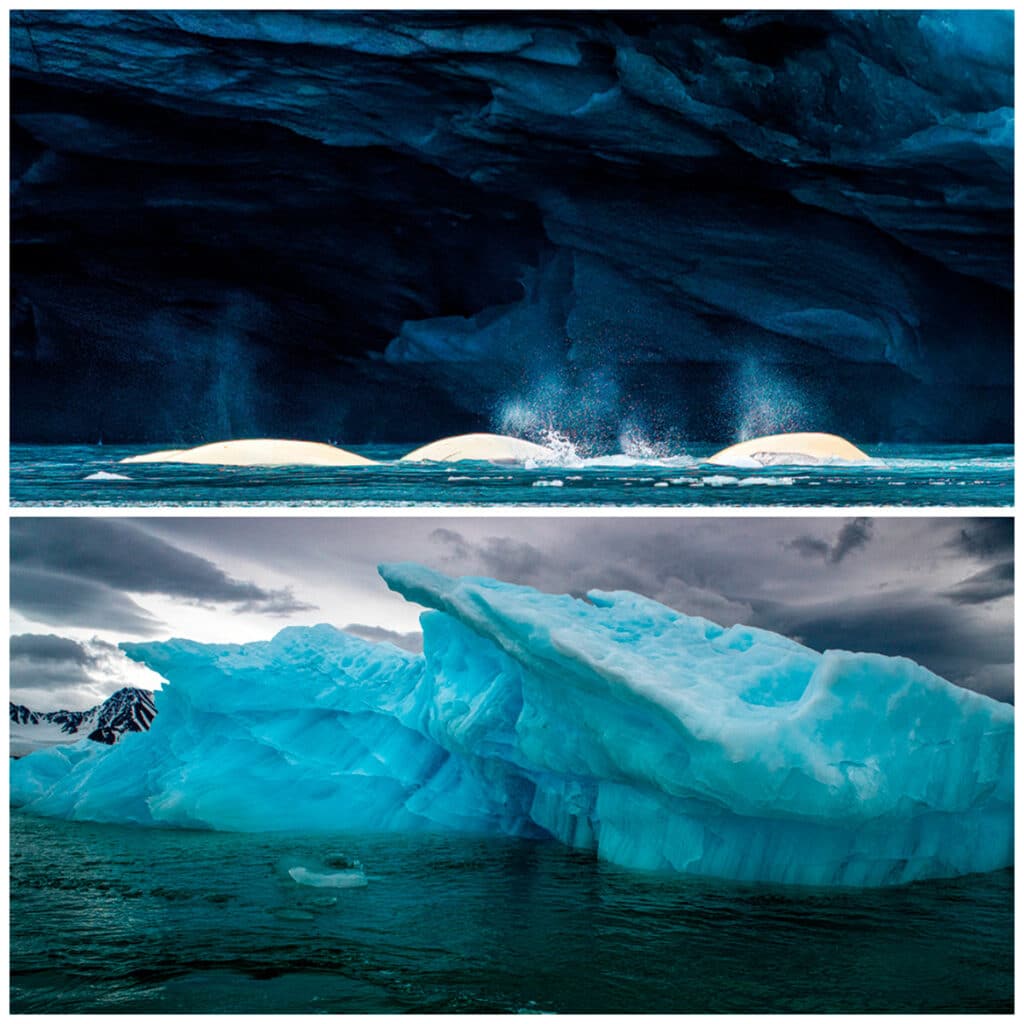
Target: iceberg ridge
{"x": 614, "y": 724}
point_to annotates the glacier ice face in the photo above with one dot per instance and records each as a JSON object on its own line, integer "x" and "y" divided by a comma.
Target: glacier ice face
{"x": 659, "y": 740}
{"x": 663, "y": 195}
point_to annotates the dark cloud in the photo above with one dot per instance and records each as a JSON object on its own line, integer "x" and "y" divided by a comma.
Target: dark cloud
{"x": 75, "y": 571}
{"x": 35, "y": 683}
{"x": 907, "y": 624}
{"x": 454, "y": 540}
{"x": 47, "y": 647}
{"x": 851, "y": 536}
{"x": 649, "y": 564}
{"x": 809, "y": 547}
{"x": 61, "y": 599}
{"x": 378, "y": 634}
{"x": 501, "y": 557}
{"x": 996, "y": 680}
{"x": 988, "y": 585}
{"x": 49, "y": 671}
{"x": 919, "y": 630}
{"x": 984, "y": 538}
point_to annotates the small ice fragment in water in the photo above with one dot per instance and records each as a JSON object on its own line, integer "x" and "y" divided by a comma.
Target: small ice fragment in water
{"x": 104, "y": 475}
{"x": 548, "y": 483}
{"x": 351, "y": 879}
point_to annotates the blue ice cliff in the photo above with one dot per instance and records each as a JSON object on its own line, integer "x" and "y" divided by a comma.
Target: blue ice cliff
{"x": 381, "y": 225}
{"x": 658, "y": 740}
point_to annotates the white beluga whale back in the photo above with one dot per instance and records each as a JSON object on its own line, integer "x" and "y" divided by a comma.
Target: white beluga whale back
{"x": 788, "y": 450}
{"x": 257, "y": 452}
{"x": 479, "y": 448}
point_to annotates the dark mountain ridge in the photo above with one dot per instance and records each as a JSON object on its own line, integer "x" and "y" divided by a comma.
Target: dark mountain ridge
{"x": 128, "y": 710}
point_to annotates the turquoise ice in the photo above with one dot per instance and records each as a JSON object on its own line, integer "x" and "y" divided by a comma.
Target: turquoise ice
{"x": 658, "y": 740}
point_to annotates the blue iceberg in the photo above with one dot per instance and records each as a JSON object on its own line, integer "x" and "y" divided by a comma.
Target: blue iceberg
{"x": 614, "y": 724}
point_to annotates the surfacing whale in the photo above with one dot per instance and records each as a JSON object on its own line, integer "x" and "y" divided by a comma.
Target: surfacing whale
{"x": 789, "y": 450}
{"x": 258, "y": 452}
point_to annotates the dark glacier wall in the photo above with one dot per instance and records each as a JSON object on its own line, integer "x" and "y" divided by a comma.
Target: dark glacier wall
{"x": 390, "y": 226}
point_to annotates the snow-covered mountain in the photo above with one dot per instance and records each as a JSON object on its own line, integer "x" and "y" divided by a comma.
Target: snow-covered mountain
{"x": 128, "y": 710}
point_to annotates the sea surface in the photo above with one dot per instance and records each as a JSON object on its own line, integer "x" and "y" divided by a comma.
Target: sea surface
{"x": 907, "y": 475}
{"x": 114, "y": 919}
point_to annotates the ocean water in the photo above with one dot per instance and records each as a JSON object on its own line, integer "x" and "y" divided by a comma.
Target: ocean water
{"x": 907, "y": 475}
{"x": 112, "y": 919}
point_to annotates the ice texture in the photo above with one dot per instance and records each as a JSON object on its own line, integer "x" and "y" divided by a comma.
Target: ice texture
{"x": 660, "y": 741}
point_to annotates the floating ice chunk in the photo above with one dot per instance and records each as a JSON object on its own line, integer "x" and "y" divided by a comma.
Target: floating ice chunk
{"x": 104, "y": 475}
{"x": 328, "y": 880}
{"x": 548, "y": 483}
{"x": 749, "y": 481}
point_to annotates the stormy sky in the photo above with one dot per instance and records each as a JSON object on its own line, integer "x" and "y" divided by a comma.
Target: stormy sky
{"x": 938, "y": 590}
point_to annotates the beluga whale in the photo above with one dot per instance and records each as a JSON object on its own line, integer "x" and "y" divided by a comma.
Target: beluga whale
{"x": 499, "y": 448}
{"x": 257, "y": 452}
{"x": 789, "y": 450}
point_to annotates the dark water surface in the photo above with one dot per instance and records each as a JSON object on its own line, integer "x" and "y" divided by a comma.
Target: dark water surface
{"x": 906, "y": 475}
{"x": 117, "y": 919}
